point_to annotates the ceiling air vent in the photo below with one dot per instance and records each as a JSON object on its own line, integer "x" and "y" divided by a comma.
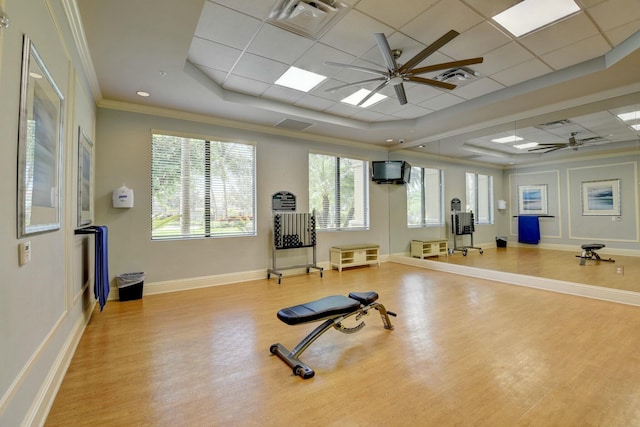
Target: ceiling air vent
{"x": 309, "y": 18}
{"x": 291, "y": 124}
{"x": 458, "y": 76}
{"x": 554, "y": 125}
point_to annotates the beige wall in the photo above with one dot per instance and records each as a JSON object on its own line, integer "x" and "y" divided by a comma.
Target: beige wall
{"x": 43, "y": 304}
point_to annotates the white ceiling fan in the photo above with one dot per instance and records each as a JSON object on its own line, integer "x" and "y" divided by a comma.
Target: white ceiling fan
{"x": 395, "y": 74}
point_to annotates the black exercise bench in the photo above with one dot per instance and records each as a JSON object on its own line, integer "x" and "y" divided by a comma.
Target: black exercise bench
{"x": 334, "y": 309}
{"x": 589, "y": 252}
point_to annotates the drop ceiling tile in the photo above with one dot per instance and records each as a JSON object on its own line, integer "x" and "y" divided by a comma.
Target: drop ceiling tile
{"x": 576, "y": 53}
{"x": 418, "y": 93}
{"x": 354, "y": 33}
{"x": 412, "y": 112}
{"x": 478, "y": 88}
{"x": 218, "y": 77}
{"x": 502, "y": 58}
{"x": 259, "y": 68}
{"x": 275, "y": 43}
{"x": 389, "y": 12}
{"x": 491, "y": 8}
{"x": 521, "y": 72}
{"x": 226, "y": 26}
{"x": 564, "y": 33}
{"x": 476, "y": 41}
{"x": 212, "y": 55}
{"x": 441, "y": 101}
{"x": 607, "y": 15}
{"x": 343, "y": 109}
{"x": 282, "y": 93}
{"x": 439, "y": 19}
{"x": 256, "y": 8}
{"x": 245, "y": 85}
{"x": 619, "y": 34}
{"x": 367, "y": 115}
{"x": 322, "y": 92}
{"x": 314, "y": 59}
{"x": 314, "y": 102}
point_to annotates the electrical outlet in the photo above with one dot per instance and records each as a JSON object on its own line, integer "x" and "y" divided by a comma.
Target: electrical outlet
{"x": 620, "y": 269}
{"x": 24, "y": 250}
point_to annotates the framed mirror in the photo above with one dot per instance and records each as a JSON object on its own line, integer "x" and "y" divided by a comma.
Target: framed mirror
{"x": 39, "y": 146}
{"x": 85, "y": 179}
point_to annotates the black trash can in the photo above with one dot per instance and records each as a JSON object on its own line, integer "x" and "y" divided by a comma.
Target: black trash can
{"x": 501, "y": 242}
{"x": 130, "y": 286}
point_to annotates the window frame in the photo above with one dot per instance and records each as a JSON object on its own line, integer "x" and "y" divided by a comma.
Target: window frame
{"x": 425, "y": 198}
{"x": 247, "y": 215}
{"x": 336, "y": 218}
{"x": 475, "y": 206}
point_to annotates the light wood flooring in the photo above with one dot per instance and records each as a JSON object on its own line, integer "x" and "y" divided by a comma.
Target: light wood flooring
{"x": 554, "y": 264}
{"x": 464, "y": 352}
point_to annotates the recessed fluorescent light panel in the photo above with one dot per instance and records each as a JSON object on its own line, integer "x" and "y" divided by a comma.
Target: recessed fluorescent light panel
{"x": 355, "y": 98}
{"x": 529, "y": 15}
{"x": 633, "y": 115}
{"x": 299, "y": 79}
{"x": 512, "y": 138}
{"x": 526, "y": 145}
{"x": 635, "y": 127}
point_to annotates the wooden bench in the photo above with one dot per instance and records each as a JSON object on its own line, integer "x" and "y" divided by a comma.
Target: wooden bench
{"x": 355, "y": 255}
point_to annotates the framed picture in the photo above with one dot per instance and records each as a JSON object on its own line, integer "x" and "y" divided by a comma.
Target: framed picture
{"x": 39, "y": 146}
{"x": 532, "y": 199}
{"x": 85, "y": 179}
{"x": 601, "y": 197}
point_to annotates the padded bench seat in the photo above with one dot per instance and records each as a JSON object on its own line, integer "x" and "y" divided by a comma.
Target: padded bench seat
{"x": 335, "y": 305}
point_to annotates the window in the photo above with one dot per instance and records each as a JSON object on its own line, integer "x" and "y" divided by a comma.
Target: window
{"x": 339, "y": 192}
{"x": 201, "y": 188}
{"x": 425, "y": 198}
{"x": 480, "y": 197}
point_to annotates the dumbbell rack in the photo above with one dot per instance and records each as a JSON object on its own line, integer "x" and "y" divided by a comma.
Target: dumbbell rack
{"x": 293, "y": 231}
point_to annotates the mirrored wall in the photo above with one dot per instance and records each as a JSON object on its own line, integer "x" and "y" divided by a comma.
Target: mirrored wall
{"x": 573, "y": 172}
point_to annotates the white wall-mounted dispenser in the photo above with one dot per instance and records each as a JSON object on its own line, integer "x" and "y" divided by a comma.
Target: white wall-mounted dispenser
{"x": 123, "y": 197}
{"x": 502, "y": 205}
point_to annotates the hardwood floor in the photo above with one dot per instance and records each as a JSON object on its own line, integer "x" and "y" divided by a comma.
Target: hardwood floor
{"x": 464, "y": 352}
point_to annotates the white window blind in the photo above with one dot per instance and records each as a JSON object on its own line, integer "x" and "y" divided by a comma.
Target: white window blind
{"x": 201, "y": 188}
{"x": 339, "y": 192}
{"x": 425, "y": 198}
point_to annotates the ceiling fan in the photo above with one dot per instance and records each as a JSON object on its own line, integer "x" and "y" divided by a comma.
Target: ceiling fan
{"x": 396, "y": 74}
{"x": 573, "y": 143}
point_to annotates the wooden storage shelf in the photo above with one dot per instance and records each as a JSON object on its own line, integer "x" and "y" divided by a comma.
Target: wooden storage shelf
{"x": 428, "y": 248}
{"x": 354, "y": 255}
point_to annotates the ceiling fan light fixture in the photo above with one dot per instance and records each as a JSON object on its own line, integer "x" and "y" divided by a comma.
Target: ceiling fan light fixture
{"x": 530, "y": 15}
{"x": 355, "y": 98}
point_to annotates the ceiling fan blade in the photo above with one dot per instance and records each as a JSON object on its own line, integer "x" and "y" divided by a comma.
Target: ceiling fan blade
{"x": 429, "y": 50}
{"x": 373, "y": 92}
{"x": 401, "y": 94}
{"x": 333, "y": 89}
{"x": 357, "y": 67}
{"x": 443, "y": 85}
{"x": 445, "y": 65}
{"x": 385, "y": 50}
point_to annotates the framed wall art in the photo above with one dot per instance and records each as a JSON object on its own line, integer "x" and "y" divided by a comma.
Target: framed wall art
{"x": 601, "y": 197}
{"x": 532, "y": 199}
{"x": 85, "y": 179}
{"x": 39, "y": 146}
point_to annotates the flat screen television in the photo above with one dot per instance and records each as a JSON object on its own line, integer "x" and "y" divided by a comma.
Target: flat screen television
{"x": 390, "y": 172}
